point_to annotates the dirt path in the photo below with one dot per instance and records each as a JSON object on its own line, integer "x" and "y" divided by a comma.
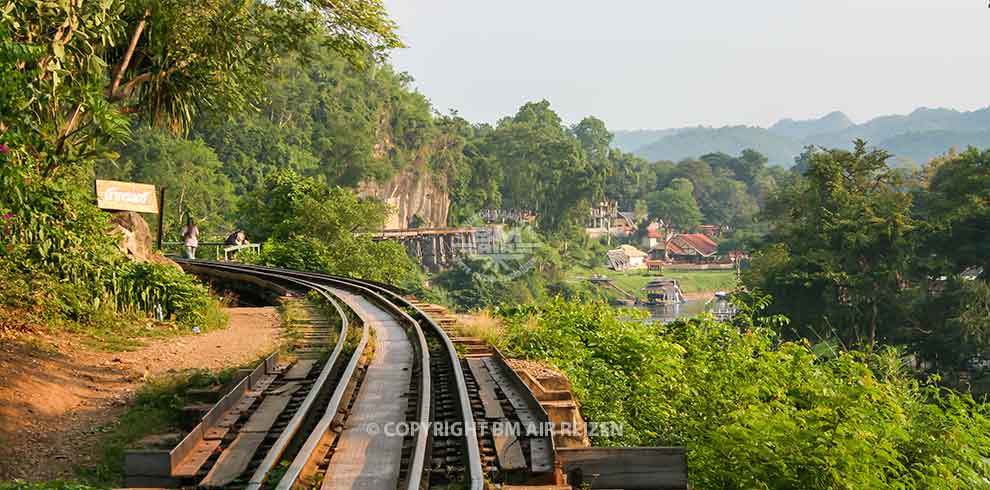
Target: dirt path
{"x": 54, "y": 405}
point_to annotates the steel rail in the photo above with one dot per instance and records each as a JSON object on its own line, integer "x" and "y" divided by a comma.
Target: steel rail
{"x": 294, "y": 470}
{"x": 274, "y": 454}
{"x": 476, "y": 478}
{"x": 369, "y": 290}
{"x": 418, "y": 460}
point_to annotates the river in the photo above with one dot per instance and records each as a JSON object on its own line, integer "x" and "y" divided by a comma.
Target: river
{"x": 664, "y": 314}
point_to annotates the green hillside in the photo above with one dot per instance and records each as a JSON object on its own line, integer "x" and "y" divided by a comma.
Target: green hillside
{"x": 695, "y": 142}
{"x": 918, "y": 136}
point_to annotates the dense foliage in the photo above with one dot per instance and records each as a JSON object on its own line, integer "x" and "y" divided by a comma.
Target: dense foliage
{"x": 75, "y": 76}
{"x": 189, "y": 171}
{"x": 863, "y": 253}
{"x": 853, "y": 203}
{"x": 321, "y": 115}
{"x": 308, "y": 225}
{"x": 754, "y": 412}
{"x": 54, "y": 236}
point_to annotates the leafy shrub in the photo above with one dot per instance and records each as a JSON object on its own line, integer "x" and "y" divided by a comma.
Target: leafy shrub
{"x": 755, "y": 414}
{"x": 308, "y": 225}
{"x": 61, "y": 262}
{"x": 355, "y": 256}
{"x": 145, "y": 285}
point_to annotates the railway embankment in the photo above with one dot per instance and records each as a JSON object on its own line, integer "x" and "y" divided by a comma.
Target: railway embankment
{"x": 67, "y": 408}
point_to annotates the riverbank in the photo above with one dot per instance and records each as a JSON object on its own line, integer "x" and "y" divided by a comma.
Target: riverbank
{"x": 694, "y": 284}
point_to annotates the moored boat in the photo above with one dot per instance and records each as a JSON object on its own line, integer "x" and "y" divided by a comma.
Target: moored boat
{"x": 663, "y": 291}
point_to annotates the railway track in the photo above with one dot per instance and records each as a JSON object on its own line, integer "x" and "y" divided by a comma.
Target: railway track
{"x": 398, "y": 418}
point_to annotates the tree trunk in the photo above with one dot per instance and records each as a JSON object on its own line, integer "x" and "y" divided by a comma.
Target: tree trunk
{"x": 117, "y": 74}
{"x": 873, "y": 325}
{"x": 118, "y": 71}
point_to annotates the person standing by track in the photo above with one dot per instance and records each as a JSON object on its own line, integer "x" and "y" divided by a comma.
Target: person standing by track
{"x": 190, "y": 237}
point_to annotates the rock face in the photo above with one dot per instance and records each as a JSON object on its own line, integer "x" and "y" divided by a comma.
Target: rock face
{"x": 136, "y": 240}
{"x": 412, "y": 193}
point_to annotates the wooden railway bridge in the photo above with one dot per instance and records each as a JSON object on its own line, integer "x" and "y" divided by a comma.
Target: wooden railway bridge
{"x": 439, "y": 248}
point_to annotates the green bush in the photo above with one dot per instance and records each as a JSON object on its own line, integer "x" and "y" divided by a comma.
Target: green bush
{"x": 353, "y": 256}
{"x": 308, "y": 225}
{"x": 755, "y": 414}
{"x": 61, "y": 263}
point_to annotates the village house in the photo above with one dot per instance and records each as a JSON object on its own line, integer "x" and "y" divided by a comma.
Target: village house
{"x": 687, "y": 248}
{"x": 626, "y": 257}
{"x": 607, "y": 220}
{"x": 654, "y": 236}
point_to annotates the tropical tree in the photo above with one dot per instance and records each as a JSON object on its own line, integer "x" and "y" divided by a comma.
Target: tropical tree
{"x": 957, "y": 208}
{"x": 309, "y": 225}
{"x": 544, "y": 168}
{"x": 188, "y": 169}
{"x": 837, "y": 258}
{"x": 676, "y": 205}
{"x": 86, "y": 65}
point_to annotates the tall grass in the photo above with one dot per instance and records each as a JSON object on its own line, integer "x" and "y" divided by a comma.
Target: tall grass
{"x": 483, "y": 325}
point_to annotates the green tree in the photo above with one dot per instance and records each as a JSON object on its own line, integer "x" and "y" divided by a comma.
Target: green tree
{"x": 309, "y": 225}
{"x": 957, "y": 207}
{"x": 952, "y": 208}
{"x": 161, "y": 60}
{"x": 749, "y": 166}
{"x": 701, "y": 175}
{"x": 842, "y": 242}
{"x": 474, "y": 184}
{"x": 544, "y": 168}
{"x": 189, "y": 170}
{"x": 290, "y": 204}
{"x": 731, "y": 204}
{"x": 676, "y": 205}
{"x": 629, "y": 178}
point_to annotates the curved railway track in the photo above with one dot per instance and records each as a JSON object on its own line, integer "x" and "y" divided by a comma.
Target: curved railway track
{"x": 352, "y": 429}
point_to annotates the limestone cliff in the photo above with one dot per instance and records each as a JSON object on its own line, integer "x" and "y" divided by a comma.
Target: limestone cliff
{"x": 414, "y": 191}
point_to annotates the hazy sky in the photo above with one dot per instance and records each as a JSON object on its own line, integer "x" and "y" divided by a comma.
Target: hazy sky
{"x": 670, "y": 63}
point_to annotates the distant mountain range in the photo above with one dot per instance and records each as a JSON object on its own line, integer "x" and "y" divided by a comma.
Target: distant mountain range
{"x": 916, "y": 137}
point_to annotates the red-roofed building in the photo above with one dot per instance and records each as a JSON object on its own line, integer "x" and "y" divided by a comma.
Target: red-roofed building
{"x": 689, "y": 248}
{"x": 655, "y": 234}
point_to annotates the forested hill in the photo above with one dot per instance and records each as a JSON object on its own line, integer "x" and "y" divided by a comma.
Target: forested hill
{"x": 321, "y": 116}
{"x": 918, "y": 136}
{"x": 695, "y": 142}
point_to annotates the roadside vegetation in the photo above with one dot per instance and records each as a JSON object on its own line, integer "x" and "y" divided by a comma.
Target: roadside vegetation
{"x": 755, "y": 411}
{"x": 72, "y": 91}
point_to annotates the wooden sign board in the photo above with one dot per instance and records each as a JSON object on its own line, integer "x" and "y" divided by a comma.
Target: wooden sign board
{"x": 126, "y": 196}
